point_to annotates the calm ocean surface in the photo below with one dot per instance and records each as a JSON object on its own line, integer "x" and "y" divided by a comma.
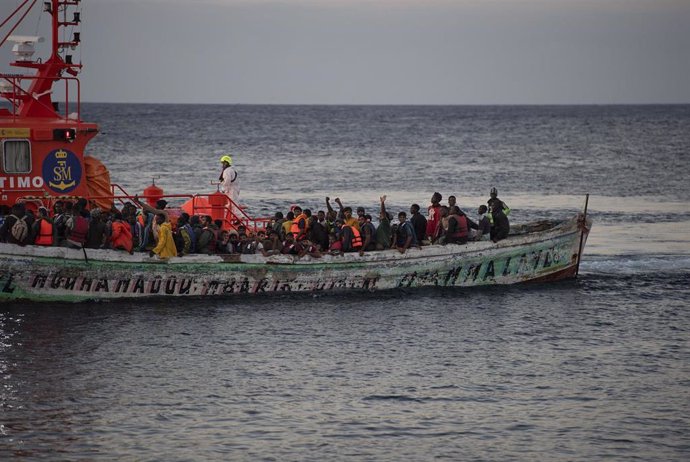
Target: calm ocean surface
{"x": 593, "y": 369}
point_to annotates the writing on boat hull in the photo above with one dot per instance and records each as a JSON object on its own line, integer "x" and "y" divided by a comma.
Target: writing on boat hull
{"x": 490, "y": 271}
{"x": 521, "y": 266}
{"x": 175, "y": 285}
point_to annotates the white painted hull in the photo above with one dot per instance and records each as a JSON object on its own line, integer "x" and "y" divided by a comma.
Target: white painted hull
{"x": 60, "y": 274}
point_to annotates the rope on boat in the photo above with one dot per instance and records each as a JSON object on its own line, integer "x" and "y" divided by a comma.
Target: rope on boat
{"x": 582, "y": 235}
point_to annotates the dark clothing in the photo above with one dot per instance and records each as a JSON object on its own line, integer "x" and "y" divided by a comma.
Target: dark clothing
{"x": 404, "y": 231}
{"x": 248, "y": 246}
{"x": 501, "y": 226}
{"x": 496, "y": 199}
{"x": 96, "y": 236}
{"x": 384, "y": 234}
{"x": 484, "y": 226}
{"x": 318, "y": 235}
{"x": 291, "y": 248}
{"x": 419, "y": 224}
{"x": 207, "y": 240}
{"x": 60, "y": 228}
{"x": 369, "y": 229}
{"x": 6, "y": 231}
{"x": 346, "y": 238}
{"x": 457, "y": 230}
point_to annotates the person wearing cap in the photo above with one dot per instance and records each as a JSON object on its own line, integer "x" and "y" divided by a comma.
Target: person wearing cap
{"x": 494, "y": 199}
{"x": 228, "y": 179}
{"x": 500, "y": 226}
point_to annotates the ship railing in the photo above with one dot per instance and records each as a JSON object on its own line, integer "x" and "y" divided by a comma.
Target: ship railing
{"x": 13, "y": 92}
{"x": 229, "y": 212}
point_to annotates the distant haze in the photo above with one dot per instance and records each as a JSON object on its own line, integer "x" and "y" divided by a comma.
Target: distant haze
{"x": 382, "y": 52}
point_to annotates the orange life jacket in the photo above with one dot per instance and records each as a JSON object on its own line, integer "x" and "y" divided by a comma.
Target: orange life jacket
{"x": 295, "y": 229}
{"x": 122, "y": 236}
{"x": 356, "y": 237}
{"x": 45, "y": 233}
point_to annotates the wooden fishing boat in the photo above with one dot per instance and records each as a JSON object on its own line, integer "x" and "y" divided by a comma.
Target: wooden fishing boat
{"x": 43, "y": 162}
{"x": 540, "y": 252}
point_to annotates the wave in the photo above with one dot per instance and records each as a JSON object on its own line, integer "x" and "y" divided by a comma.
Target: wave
{"x": 636, "y": 264}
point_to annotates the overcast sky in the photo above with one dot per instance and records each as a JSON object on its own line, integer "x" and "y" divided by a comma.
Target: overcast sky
{"x": 384, "y": 51}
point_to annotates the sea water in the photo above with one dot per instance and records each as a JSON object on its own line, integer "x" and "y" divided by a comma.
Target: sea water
{"x": 591, "y": 369}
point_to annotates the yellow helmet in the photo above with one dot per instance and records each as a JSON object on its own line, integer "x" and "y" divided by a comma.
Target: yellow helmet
{"x": 227, "y": 159}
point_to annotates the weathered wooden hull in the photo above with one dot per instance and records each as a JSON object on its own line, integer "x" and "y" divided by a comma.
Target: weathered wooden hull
{"x": 59, "y": 274}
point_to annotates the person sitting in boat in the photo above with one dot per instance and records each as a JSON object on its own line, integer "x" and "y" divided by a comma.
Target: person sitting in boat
{"x": 458, "y": 227}
{"x": 248, "y": 244}
{"x": 77, "y": 229}
{"x": 483, "y": 225}
{"x": 439, "y": 236}
{"x": 346, "y": 215}
{"x": 309, "y": 248}
{"x": 418, "y": 222}
{"x": 331, "y": 216}
{"x": 4, "y": 212}
{"x": 290, "y": 246}
{"x": 128, "y": 210}
{"x": 494, "y": 199}
{"x": 259, "y": 239}
{"x": 351, "y": 238}
{"x": 451, "y": 202}
{"x": 271, "y": 245}
{"x": 59, "y": 223}
{"x": 318, "y": 233}
{"x": 184, "y": 236}
{"x": 206, "y": 241}
{"x": 384, "y": 232}
{"x": 404, "y": 234}
{"x": 229, "y": 185}
{"x": 121, "y": 237}
{"x": 335, "y": 245}
{"x": 287, "y": 225}
{"x": 97, "y": 238}
{"x": 434, "y": 216}
{"x": 42, "y": 228}
{"x": 501, "y": 226}
{"x": 321, "y": 217}
{"x": 368, "y": 232}
{"x": 330, "y": 210}
{"x": 151, "y": 229}
{"x": 166, "y": 244}
{"x": 16, "y": 229}
{"x": 300, "y": 224}
{"x": 135, "y": 228}
{"x": 222, "y": 242}
{"x": 233, "y": 244}
{"x": 277, "y": 223}
{"x": 360, "y": 214}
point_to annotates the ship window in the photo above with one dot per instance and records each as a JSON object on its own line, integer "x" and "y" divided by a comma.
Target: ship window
{"x": 16, "y": 156}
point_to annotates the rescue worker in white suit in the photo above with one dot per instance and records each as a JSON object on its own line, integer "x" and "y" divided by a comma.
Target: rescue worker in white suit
{"x": 229, "y": 185}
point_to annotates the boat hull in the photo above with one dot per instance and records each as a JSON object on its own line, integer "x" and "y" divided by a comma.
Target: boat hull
{"x": 59, "y": 274}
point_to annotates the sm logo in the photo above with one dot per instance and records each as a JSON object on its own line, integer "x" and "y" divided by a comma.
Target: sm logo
{"x": 61, "y": 171}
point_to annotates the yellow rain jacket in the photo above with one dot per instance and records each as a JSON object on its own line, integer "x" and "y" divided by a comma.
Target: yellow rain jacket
{"x": 166, "y": 244}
